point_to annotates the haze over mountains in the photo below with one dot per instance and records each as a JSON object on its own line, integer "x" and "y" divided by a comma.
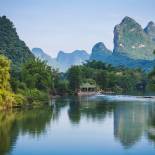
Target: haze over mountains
{"x": 63, "y": 61}
{"x": 39, "y": 53}
{"x": 66, "y": 60}
{"x": 133, "y": 47}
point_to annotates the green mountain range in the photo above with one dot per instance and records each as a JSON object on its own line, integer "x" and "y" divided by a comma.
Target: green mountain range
{"x": 133, "y": 47}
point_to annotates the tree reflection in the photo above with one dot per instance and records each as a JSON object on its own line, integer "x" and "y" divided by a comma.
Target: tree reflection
{"x": 74, "y": 110}
{"x": 82, "y": 107}
{"x": 8, "y": 132}
{"x": 32, "y": 122}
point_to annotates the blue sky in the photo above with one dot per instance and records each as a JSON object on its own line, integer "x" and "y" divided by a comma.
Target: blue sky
{"x": 68, "y": 25}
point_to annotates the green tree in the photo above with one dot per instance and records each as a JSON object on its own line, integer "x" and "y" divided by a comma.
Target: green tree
{"x": 6, "y": 95}
{"x": 101, "y": 78}
{"x": 35, "y": 81}
{"x": 74, "y": 77}
{"x": 62, "y": 87}
{"x": 37, "y": 74}
{"x": 151, "y": 77}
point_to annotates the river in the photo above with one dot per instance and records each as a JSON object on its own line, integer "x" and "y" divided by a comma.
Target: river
{"x": 80, "y": 126}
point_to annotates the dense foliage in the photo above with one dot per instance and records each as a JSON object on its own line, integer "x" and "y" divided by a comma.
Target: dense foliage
{"x": 118, "y": 79}
{"x": 74, "y": 77}
{"x": 151, "y": 78}
{"x": 6, "y": 95}
{"x": 34, "y": 80}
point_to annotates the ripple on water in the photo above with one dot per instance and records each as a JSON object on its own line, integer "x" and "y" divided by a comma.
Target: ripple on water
{"x": 119, "y": 98}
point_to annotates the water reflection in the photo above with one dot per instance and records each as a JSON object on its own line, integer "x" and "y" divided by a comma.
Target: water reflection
{"x": 132, "y": 120}
{"x": 13, "y": 123}
{"x": 151, "y": 124}
{"x": 81, "y": 107}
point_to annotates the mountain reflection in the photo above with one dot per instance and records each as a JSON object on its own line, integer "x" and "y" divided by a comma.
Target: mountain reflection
{"x": 130, "y": 121}
{"x": 151, "y": 124}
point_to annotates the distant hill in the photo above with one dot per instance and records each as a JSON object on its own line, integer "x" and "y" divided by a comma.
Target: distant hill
{"x": 39, "y": 53}
{"x": 100, "y": 52}
{"x": 66, "y": 60}
{"x": 10, "y": 43}
{"x": 63, "y": 60}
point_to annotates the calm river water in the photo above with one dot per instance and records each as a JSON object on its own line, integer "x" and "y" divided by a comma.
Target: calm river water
{"x": 80, "y": 126}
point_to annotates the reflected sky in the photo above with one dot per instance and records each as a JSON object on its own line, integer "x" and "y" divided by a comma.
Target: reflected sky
{"x": 80, "y": 126}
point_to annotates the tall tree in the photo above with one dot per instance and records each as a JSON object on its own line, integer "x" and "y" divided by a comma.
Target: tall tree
{"x": 6, "y": 95}
{"x": 37, "y": 74}
{"x": 74, "y": 77}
